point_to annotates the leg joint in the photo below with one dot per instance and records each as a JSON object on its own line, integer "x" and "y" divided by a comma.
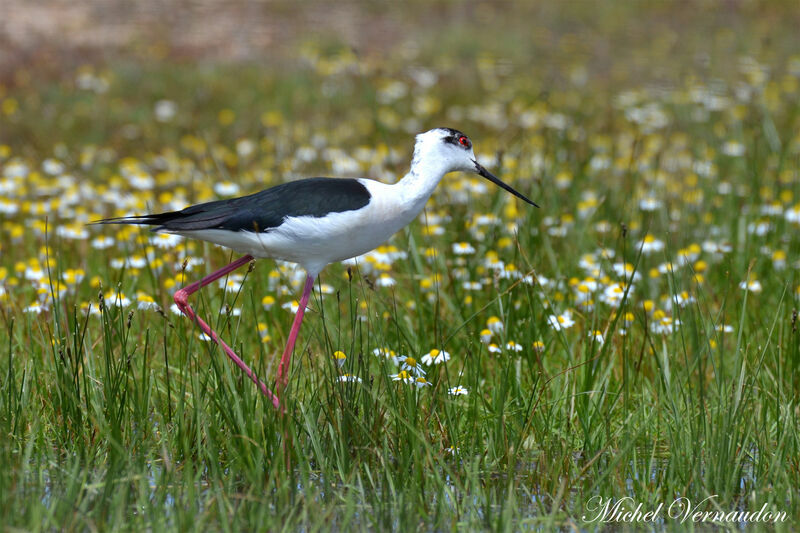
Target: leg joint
{"x": 180, "y": 297}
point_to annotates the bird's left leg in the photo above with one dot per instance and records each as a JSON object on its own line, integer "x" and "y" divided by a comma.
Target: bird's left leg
{"x": 181, "y": 296}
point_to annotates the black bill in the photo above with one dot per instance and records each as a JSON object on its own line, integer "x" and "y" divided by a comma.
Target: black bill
{"x": 494, "y": 179}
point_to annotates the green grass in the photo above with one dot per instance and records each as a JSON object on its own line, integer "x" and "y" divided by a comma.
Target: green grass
{"x": 126, "y": 419}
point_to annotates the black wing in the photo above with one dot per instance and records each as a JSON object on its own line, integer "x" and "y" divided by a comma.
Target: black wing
{"x": 263, "y": 210}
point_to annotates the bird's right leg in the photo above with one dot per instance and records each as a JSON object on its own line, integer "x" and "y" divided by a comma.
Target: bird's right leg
{"x": 283, "y": 367}
{"x": 181, "y": 297}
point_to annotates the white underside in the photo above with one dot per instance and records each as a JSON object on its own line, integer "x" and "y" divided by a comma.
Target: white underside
{"x": 314, "y": 242}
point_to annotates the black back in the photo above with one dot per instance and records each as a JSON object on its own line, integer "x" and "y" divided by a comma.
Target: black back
{"x": 315, "y": 197}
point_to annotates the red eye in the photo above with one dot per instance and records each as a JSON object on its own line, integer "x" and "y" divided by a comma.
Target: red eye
{"x": 463, "y": 141}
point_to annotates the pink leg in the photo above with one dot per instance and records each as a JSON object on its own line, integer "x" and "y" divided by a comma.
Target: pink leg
{"x": 181, "y": 301}
{"x": 283, "y": 368}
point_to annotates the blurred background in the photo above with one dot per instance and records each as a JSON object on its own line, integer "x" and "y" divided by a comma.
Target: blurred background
{"x": 449, "y": 54}
{"x": 651, "y": 40}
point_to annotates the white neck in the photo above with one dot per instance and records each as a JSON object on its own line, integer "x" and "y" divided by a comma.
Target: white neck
{"x": 424, "y": 175}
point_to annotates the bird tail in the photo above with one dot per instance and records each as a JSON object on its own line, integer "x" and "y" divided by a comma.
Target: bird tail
{"x": 143, "y": 220}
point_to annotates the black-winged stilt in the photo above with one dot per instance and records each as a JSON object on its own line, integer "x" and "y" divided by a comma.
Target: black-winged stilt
{"x": 314, "y": 222}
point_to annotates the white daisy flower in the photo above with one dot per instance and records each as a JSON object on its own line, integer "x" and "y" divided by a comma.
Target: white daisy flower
{"x": 435, "y": 357}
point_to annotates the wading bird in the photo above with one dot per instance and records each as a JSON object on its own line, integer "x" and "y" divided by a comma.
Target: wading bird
{"x": 314, "y": 222}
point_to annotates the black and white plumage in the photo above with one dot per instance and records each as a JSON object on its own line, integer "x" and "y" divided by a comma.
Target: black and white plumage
{"x": 317, "y": 221}
{"x": 262, "y": 211}
{"x": 314, "y": 222}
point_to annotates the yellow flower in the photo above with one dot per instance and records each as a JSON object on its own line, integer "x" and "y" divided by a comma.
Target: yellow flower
{"x": 226, "y": 117}
{"x": 340, "y": 357}
{"x": 262, "y": 332}
{"x": 9, "y": 106}
{"x": 494, "y": 324}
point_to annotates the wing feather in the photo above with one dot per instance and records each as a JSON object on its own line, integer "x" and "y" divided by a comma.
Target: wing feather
{"x": 261, "y": 211}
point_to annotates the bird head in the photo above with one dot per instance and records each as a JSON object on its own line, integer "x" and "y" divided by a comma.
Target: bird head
{"x": 454, "y": 150}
